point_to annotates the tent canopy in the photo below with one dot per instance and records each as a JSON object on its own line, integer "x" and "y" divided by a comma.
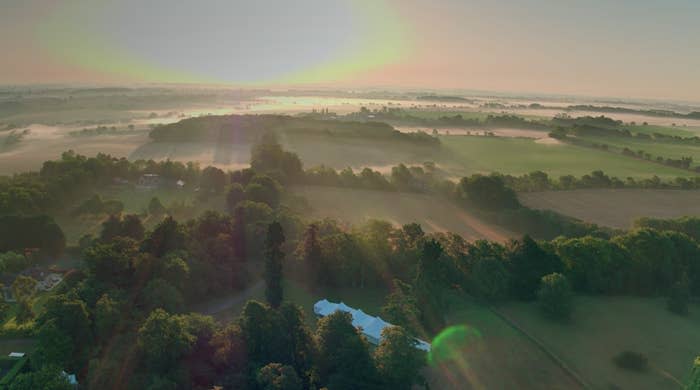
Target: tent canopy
{"x": 370, "y": 326}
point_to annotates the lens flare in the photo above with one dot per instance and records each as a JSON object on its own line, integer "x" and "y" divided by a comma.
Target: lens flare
{"x": 453, "y": 345}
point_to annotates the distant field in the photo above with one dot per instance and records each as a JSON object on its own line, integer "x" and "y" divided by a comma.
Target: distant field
{"x": 656, "y": 148}
{"x": 602, "y": 327}
{"x": 616, "y": 208}
{"x": 518, "y": 156}
{"x": 30, "y": 154}
{"x": 433, "y": 213}
{"x": 681, "y": 131}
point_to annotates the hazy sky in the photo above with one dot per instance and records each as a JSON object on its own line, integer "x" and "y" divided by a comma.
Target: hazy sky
{"x": 625, "y": 48}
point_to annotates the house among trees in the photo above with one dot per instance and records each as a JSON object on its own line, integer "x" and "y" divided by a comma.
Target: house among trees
{"x": 149, "y": 181}
{"x": 370, "y": 326}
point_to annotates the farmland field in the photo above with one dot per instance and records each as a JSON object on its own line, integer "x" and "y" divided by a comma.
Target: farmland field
{"x": 665, "y": 149}
{"x": 616, "y": 207}
{"x": 434, "y": 214}
{"x": 518, "y": 156}
{"x": 603, "y": 327}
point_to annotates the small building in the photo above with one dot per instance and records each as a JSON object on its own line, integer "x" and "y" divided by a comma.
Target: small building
{"x": 180, "y": 184}
{"x": 370, "y": 326}
{"x": 16, "y": 355}
{"x": 149, "y": 180}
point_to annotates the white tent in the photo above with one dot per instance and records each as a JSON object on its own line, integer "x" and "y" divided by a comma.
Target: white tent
{"x": 370, "y": 326}
{"x": 323, "y": 308}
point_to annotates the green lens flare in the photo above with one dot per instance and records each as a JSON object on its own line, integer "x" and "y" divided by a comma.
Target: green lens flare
{"x": 452, "y": 344}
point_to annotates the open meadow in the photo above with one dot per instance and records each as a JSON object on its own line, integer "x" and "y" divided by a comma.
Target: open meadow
{"x": 616, "y": 207}
{"x": 432, "y": 213}
{"x": 602, "y": 327}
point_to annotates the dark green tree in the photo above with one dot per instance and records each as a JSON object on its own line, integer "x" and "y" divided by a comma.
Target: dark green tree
{"x": 402, "y": 309}
{"x": 111, "y": 228}
{"x": 155, "y": 207}
{"x": 167, "y": 236}
{"x": 107, "y": 316}
{"x": 528, "y": 263}
{"x": 49, "y": 378}
{"x": 273, "y": 264}
{"x": 212, "y": 180}
{"x": 234, "y": 195}
{"x": 398, "y": 360}
{"x": 311, "y": 254}
{"x": 276, "y": 376}
{"x": 132, "y": 227}
{"x": 489, "y": 279}
{"x": 164, "y": 339}
{"x": 429, "y": 285}
{"x": 344, "y": 361}
{"x": 555, "y": 296}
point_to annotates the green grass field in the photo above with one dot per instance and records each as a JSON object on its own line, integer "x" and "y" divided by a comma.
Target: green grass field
{"x": 602, "y": 327}
{"x": 518, "y": 156}
{"x": 674, "y": 150}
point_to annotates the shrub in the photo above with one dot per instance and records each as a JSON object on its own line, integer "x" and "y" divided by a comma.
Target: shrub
{"x": 633, "y": 361}
{"x": 555, "y": 296}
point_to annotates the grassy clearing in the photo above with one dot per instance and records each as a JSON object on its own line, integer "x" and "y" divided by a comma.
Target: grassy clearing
{"x": 501, "y": 358}
{"x": 616, "y": 208}
{"x": 602, "y": 327}
{"x": 518, "y": 156}
{"x": 433, "y": 213}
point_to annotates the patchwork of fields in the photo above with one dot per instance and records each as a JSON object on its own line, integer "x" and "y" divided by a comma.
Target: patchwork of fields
{"x": 616, "y": 207}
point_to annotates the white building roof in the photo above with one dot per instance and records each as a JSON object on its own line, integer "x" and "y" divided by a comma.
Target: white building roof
{"x": 16, "y": 354}
{"x": 370, "y": 326}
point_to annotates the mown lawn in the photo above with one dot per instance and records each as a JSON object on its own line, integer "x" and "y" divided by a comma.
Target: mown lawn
{"x": 499, "y": 358}
{"x": 602, "y": 327}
